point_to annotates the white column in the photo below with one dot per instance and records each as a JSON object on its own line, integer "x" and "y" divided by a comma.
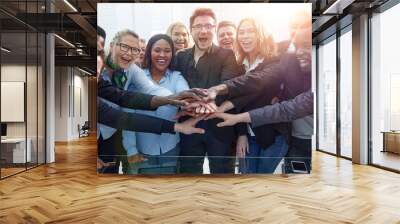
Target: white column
{"x": 360, "y": 90}
{"x": 50, "y": 99}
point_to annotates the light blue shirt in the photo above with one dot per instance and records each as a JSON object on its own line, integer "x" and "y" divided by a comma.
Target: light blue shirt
{"x": 137, "y": 78}
{"x": 153, "y": 144}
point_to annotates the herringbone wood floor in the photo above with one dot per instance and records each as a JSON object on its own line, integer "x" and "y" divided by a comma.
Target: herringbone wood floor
{"x": 70, "y": 191}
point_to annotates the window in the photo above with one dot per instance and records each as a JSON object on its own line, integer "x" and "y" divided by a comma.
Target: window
{"x": 346, "y": 93}
{"x": 327, "y": 96}
{"x": 385, "y": 85}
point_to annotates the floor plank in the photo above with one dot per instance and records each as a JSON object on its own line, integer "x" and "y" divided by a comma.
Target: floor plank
{"x": 70, "y": 191}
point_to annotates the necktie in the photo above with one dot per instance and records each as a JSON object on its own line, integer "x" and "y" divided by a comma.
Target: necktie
{"x": 119, "y": 78}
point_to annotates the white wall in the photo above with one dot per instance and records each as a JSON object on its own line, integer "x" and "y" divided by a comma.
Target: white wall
{"x": 34, "y": 124}
{"x": 16, "y": 73}
{"x": 113, "y": 17}
{"x": 61, "y": 103}
{"x": 71, "y": 93}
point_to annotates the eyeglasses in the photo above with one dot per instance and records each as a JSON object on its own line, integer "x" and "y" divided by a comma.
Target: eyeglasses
{"x": 208, "y": 27}
{"x": 125, "y": 48}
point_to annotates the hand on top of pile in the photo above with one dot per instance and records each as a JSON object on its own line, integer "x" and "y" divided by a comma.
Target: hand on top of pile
{"x": 202, "y": 104}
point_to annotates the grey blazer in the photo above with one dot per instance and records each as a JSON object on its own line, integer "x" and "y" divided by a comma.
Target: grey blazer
{"x": 286, "y": 111}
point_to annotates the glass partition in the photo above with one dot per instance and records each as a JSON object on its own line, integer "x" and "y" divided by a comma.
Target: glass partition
{"x": 327, "y": 96}
{"x": 166, "y": 165}
{"x": 14, "y": 145}
{"x": 22, "y": 89}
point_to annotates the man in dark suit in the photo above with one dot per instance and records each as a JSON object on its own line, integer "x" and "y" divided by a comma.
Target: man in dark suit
{"x": 203, "y": 66}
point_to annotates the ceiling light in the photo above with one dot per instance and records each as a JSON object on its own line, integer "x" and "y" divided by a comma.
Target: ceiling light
{"x": 70, "y": 5}
{"x": 65, "y": 41}
{"x": 84, "y": 71}
{"x": 5, "y": 50}
{"x": 338, "y": 6}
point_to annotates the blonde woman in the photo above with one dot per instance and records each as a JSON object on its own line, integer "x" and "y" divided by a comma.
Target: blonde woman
{"x": 263, "y": 146}
{"x": 180, "y": 36}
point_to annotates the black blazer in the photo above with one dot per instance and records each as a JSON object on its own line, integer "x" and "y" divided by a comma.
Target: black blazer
{"x": 286, "y": 70}
{"x": 212, "y": 69}
{"x": 128, "y": 99}
{"x": 119, "y": 119}
{"x": 295, "y": 81}
{"x": 265, "y": 134}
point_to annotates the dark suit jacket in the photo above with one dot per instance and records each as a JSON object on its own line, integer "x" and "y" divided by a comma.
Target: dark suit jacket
{"x": 283, "y": 47}
{"x": 265, "y": 134}
{"x": 288, "y": 71}
{"x": 294, "y": 79}
{"x": 213, "y": 67}
{"x": 128, "y": 99}
{"x": 255, "y": 81}
{"x": 119, "y": 119}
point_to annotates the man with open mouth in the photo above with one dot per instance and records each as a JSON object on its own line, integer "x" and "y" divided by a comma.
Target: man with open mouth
{"x": 226, "y": 34}
{"x": 203, "y": 66}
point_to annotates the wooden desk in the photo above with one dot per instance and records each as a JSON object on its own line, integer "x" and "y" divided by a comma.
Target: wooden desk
{"x": 13, "y": 150}
{"x": 391, "y": 141}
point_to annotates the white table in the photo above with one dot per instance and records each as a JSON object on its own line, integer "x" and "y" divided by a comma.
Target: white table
{"x": 18, "y": 149}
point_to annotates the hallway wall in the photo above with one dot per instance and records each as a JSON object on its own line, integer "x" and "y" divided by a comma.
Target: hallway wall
{"x": 71, "y": 102}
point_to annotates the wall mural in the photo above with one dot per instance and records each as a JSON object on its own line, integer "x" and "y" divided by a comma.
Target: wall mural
{"x": 196, "y": 88}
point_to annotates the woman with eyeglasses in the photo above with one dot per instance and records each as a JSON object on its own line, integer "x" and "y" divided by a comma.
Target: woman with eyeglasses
{"x": 161, "y": 151}
{"x": 123, "y": 73}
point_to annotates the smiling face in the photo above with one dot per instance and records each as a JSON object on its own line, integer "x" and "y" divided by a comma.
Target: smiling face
{"x": 203, "y": 31}
{"x": 161, "y": 54}
{"x": 124, "y": 58}
{"x": 180, "y": 37}
{"x": 303, "y": 55}
{"x": 247, "y": 37}
{"x": 142, "y": 47}
{"x": 301, "y": 37}
{"x": 226, "y": 37}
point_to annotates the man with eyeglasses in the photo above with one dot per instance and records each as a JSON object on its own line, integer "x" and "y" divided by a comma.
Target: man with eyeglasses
{"x": 203, "y": 66}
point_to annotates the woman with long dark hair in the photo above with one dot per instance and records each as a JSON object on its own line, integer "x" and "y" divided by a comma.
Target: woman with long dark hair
{"x": 161, "y": 151}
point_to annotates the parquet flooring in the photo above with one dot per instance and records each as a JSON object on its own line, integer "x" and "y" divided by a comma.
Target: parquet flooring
{"x": 70, "y": 191}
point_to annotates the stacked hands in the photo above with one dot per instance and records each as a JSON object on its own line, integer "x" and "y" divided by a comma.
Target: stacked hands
{"x": 200, "y": 105}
